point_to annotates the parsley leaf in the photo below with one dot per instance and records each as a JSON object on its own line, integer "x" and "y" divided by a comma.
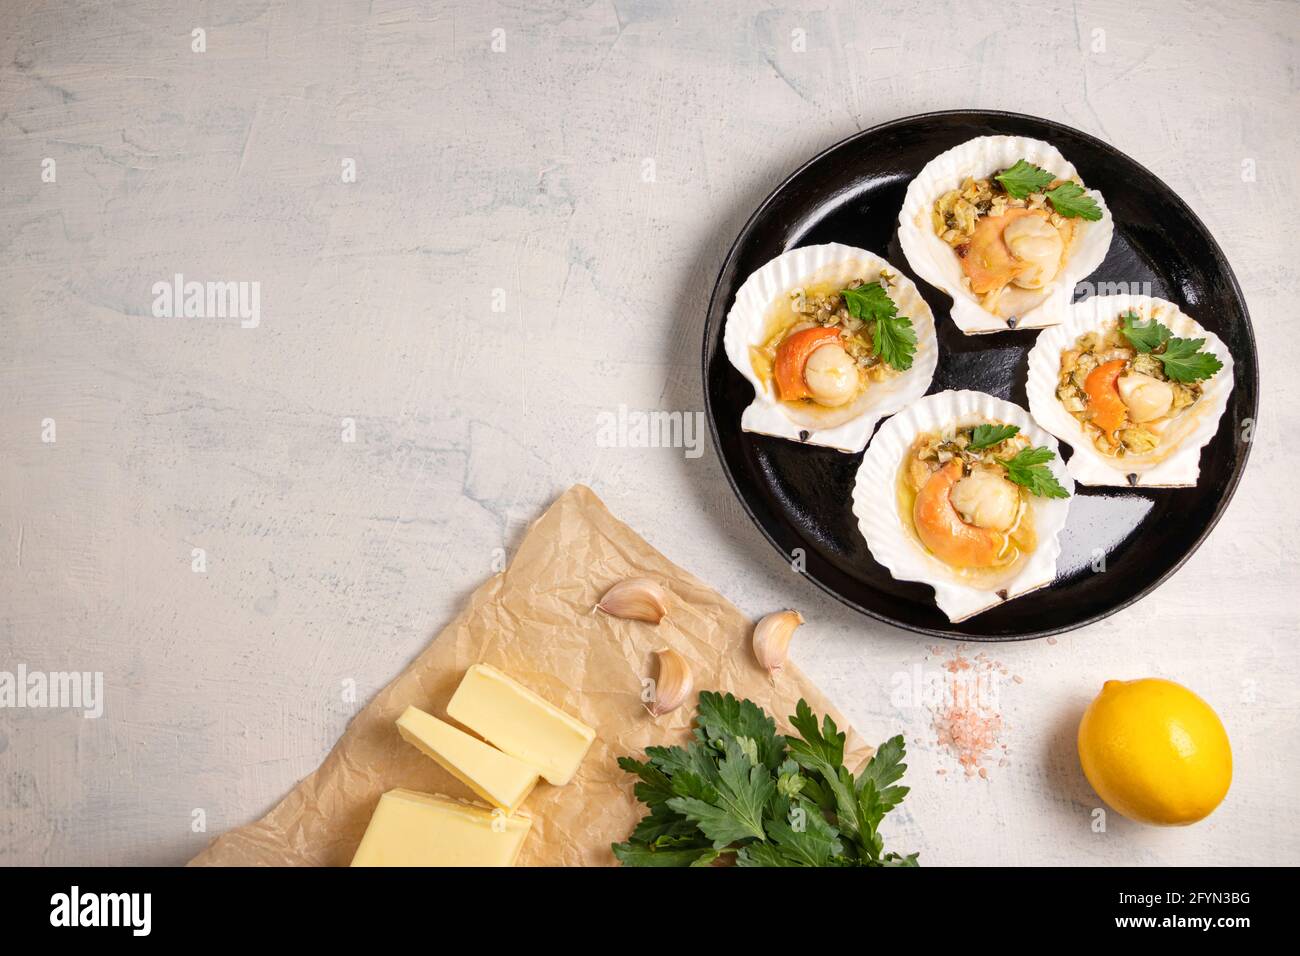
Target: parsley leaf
{"x": 1029, "y": 468}
{"x": 895, "y": 342}
{"x": 688, "y": 770}
{"x": 1024, "y": 178}
{"x": 986, "y": 436}
{"x": 737, "y": 812}
{"x": 721, "y": 715}
{"x": 654, "y": 787}
{"x": 640, "y": 854}
{"x": 663, "y": 827}
{"x": 821, "y": 750}
{"x": 805, "y": 838}
{"x": 1182, "y": 359}
{"x": 884, "y": 768}
{"x": 762, "y": 854}
{"x": 1145, "y": 335}
{"x": 740, "y": 790}
{"x": 1070, "y": 200}
{"x": 892, "y": 335}
{"x": 1185, "y": 362}
{"x": 868, "y": 301}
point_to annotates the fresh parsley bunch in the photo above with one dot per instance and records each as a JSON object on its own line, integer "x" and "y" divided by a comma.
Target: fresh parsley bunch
{"x": 741, "y": 791}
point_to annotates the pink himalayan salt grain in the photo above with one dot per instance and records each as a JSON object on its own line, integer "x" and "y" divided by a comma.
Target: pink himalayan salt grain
{"x": 968, "y": 734}
{"x": 966, "y": 728}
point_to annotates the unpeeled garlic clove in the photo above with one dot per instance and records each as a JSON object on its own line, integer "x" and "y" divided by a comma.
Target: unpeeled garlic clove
{"x": 636, "y": 599}
{"x": 772, "y": 639}
{"x": 673, "y": 685}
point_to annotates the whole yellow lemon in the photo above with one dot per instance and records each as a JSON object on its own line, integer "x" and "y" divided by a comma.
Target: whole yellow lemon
{"x": 1155, "y": 751}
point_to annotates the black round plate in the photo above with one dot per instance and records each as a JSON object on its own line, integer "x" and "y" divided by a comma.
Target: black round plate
{"x": 799, "y": 495}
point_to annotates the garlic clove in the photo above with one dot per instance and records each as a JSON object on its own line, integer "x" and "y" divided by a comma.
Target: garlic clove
{"x": 673, "y": 685}
{"x": 636, "y": 599}
{"x": 772, "y": 639}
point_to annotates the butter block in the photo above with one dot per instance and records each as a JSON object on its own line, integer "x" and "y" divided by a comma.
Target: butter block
{"x": 425, "y": 829}
{"x": 508, "y": 714}
{"x": 497, "y": 777}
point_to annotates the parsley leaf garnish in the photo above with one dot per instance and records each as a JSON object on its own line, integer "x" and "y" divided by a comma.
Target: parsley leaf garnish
{"x": 1185, "y": 362}
{"x": 1070, "y": 200}
{"x": 739, "y": 790}
{"x": 892, "y": 335}
{"x": 1029, "y": 468}
{"x": 1145, "y": 335}
{"x": 986, "y": 436}
{"x": 1024, "y": 178}
{"x": 1182, "y": 359}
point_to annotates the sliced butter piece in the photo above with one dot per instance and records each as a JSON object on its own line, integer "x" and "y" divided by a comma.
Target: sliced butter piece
{"x": 424, "y": 829}
{"x": 508, "y": 714}
{"x": 498, "y": 778}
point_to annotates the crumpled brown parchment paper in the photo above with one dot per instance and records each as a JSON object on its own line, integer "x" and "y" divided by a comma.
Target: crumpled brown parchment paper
{"x": 535, "y": 622}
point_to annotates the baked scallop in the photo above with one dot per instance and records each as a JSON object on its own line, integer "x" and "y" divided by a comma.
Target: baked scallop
{"x": 1135, "y": 385}
{"x": 964, "y": 492}
{"x": 1005, "y": 227}
{"x": 833, "y": 339}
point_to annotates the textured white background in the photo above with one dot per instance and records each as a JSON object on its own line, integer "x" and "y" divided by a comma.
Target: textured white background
{"x": 522, "y": 170}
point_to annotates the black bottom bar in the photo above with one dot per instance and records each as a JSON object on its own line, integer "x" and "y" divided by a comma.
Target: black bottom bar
{"x": 367, "y": 906}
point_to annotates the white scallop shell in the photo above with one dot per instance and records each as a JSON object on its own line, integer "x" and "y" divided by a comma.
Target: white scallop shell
{"x": 934, "y": 260}
{"x": 851, "y": 430}
{"x": 1176, "y": 461}
{"x": 894, "y": 544}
